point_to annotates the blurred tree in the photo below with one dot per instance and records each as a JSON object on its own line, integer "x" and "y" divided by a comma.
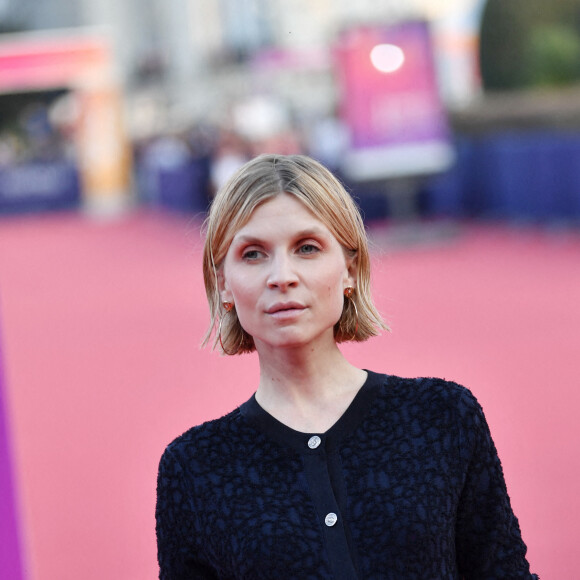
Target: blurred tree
{"x": 554, "y": 56}
{"x": 526, "y": 43}
{"x": 502, "y": 42}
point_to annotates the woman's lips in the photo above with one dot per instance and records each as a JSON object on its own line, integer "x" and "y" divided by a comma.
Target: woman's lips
{"x": 285, "y": 310}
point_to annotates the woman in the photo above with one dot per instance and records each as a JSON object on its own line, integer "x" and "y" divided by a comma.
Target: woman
{"x": 328, "y": 471}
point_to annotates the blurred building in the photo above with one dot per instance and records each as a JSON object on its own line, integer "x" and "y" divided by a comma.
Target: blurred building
{"x": 16, "y": 15}
{"x": 185, "y": 59}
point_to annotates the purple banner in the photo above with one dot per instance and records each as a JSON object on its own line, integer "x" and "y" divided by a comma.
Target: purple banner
{"x": 10, "y": 561}
{"x": 390, "y": 102}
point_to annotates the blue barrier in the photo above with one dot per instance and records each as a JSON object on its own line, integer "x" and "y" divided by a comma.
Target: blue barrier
{"x": 39, "y": 186}
{"x": 181, "y": 186}
{"x": 533, "y": 176}
{"x": 451, "y": 193}
{"x": 522, "y": 176}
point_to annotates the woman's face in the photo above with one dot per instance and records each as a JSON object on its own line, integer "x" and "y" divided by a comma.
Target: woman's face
{"x": 286, "y": 274}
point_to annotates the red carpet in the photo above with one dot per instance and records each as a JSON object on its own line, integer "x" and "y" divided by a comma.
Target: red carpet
{"x": 101, "y": 327}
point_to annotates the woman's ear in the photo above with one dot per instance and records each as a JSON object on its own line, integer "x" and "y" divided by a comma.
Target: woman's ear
{"x": 225, "y": 294}
{"x": 352, "y": 269}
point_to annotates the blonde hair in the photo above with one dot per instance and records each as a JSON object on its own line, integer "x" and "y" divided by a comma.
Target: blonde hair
{"x": 257, "y": 181}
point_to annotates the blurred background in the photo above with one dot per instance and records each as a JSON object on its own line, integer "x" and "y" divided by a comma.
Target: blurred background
{"x": 107, "y": 105}
{"x": 455, "y": 124}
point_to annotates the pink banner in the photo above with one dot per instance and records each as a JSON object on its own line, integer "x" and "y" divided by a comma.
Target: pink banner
{"x": 390, "y": 101}
{"x": 33, "y": 61}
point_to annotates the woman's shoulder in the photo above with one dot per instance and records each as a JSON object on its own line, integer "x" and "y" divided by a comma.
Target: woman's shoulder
{"x": 207, "y": 436}
{"x": 429, "y": 407}
{"x": 425, "y": 393}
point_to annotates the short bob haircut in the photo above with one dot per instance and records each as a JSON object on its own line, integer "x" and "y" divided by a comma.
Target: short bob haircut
{"x": 253, "y": 184}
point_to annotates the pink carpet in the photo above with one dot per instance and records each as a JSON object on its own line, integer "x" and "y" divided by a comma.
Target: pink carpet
{"x": 101, "y": 330}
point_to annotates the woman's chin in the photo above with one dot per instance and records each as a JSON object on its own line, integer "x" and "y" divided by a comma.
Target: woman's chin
{"x": 294, "y": 341}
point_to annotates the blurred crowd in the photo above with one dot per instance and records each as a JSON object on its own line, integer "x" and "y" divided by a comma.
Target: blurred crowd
{"x": 216, "y": 150}
{"x": 35, "y": 132}
{"x": 528, "y": 176}
{"x": 183, "y": 166}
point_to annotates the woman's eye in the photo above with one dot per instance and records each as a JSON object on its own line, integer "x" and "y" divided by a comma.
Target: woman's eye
{"x": 308, "y": 249}
{"x": 251, "y": 254}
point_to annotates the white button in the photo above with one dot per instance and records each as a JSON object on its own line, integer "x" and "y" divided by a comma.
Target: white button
{"x": 314, "y": 441}
{"x": 330, "y": 519}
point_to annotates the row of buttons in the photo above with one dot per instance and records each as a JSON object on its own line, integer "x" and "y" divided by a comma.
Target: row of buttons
{"x": 331, "y": 518}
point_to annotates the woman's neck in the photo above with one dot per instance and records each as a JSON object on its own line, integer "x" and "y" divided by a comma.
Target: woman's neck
{"x": 307, "y": 390}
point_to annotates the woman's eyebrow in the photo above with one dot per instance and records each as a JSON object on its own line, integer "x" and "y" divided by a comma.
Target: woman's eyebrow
{"x": 254, "y": 239}
{"x": 247, "y": 239}
{"x": 314, "y": 231}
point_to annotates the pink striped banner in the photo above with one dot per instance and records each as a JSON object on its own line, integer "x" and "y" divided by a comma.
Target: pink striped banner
{"x": 10, "y": 560}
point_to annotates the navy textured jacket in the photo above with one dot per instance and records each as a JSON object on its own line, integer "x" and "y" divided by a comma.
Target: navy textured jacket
{"x": 406, "y": 485}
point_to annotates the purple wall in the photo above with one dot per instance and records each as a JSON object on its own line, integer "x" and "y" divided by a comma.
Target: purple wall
{"x": 10, "y": 563}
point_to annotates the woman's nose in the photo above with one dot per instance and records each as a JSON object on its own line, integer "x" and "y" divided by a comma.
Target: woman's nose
{"x": 282, "y": 274}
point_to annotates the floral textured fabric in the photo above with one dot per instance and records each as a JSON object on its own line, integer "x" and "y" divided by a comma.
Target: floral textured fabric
{"x": 406, "y": 485}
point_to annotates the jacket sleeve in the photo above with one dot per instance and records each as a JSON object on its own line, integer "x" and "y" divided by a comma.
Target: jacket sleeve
{"x": 175, "y": 525}
{"x": 488, "y": 540}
